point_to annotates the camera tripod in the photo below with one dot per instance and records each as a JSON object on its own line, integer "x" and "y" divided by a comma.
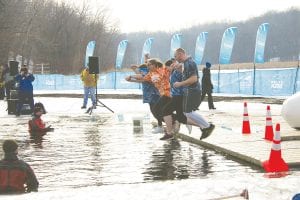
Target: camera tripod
{"x": 98, "y": 102}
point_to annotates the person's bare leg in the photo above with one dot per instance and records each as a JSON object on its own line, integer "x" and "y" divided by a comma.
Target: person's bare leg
{"x": 168, "y": 121}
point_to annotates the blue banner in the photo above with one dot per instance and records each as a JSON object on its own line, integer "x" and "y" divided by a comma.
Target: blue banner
{"x": 89, "y": 52}
{"x": 146, "y": 48}
{"x": 227, "y": 45}
{"x": 120, "y": 53}
{"x": 175, "y": 43}
{"x": 261, "y": 38}
{"x": 269, "y": 82}
{"x": 200, "y": 45}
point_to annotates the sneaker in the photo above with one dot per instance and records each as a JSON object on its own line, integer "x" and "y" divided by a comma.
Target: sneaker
{"x": 207, "y": 131}
{"x": 189, "y": 128}
{"x": 94, "y": 106}
{"x": 83, "y": 107}
{"x": 158, "y": 129}
{"x": 167, "y": 137}
{"x": 176, "y": 126}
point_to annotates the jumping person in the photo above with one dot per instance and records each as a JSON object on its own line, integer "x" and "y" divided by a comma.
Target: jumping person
{"x": 173, "y": 121}
{"x": 192, "y": 92}
{"x": 16, "y": 175}
{"x": 150, "y": 93}
{"x": 159, "y": 76}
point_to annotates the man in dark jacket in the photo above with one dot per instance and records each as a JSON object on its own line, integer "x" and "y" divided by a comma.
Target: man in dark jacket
{"x": 24, "y": 80}
{"x": 15, "y": 173}
{"x": 207, "y": 86}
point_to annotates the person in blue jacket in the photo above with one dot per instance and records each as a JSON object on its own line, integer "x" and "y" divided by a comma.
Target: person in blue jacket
{"x": 25, "y": 93}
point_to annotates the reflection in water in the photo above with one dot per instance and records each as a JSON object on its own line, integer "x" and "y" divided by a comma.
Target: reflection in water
{"x": 175, "y": 162}
{"x": 205, "y": 165}
{"x": 92, "y": 150}
{"x": 164, "y": 164}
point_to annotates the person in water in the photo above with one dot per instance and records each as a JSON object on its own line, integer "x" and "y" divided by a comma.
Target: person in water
{"x": 16, "y": 175}
{"x": 37, "y": 127}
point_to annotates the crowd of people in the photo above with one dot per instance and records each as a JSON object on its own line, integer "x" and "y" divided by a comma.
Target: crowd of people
{"x": 177, "y": 83}
{"x": 16, "y": 176}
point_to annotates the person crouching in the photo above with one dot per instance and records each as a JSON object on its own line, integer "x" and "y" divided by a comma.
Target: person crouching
{"x": 37, "y": 128}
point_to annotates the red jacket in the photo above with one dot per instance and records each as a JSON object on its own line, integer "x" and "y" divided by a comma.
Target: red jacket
{"x": 14, "y": 173}
{"x": 37, "y": 127}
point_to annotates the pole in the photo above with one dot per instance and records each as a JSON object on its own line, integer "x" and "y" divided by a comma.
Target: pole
{"x": 254, "y": 69}
{"x": 239, "y": 80}
{"x": 115, "y": 85}
{"x": 296, "y": 78}
{"x": 219, "y": 79}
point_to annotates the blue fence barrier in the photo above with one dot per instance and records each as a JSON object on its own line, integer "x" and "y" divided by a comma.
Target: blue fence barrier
{"x": 268, "y": 82}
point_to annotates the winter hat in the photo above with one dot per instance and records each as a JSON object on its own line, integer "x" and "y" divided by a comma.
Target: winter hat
{"x": 37, "y": 109}
{"x": 208, "y": 65}
{"x": 9, "y": 146}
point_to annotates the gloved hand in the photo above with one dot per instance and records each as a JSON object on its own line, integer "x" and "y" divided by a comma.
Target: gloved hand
{"x": 49, "y": 129}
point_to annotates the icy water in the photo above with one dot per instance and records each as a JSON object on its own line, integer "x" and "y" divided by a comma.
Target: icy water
{"x": 103, "y": 150}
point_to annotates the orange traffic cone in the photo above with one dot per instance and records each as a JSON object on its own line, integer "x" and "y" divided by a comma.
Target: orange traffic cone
{"x": 246, "y": 123}
{"x": 275, "y": 162}
{"x": 269, "y": 126}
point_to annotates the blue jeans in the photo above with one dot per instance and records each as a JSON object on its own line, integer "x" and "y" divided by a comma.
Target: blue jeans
{"x": 89, "y": 91}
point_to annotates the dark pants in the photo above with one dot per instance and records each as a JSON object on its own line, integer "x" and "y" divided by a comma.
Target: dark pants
{"x": 25, "y": 97}
{"x": 156, "y": 115}
{"x": 209, "y": 99}
{"x": 159, "y": 106}
{"x": 2, "y": 93}
{"x": 175, "y": 105}
{"x": 191, "y": 99}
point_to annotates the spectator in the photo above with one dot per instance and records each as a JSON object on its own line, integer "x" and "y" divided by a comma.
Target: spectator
{"x": 89, "y": 83}
{"x": 24, "y": 81}
{"x": 15, "y": 173}
{"x": 207, "y": 86}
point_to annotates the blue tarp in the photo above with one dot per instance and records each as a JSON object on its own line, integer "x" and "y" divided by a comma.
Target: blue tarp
{"x": 268, "y": 82}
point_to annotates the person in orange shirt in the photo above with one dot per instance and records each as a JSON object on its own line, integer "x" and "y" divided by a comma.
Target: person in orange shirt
{"x": 159, "y": 76}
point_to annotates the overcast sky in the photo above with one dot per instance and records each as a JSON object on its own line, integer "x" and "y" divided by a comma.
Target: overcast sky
{"x": 171, "y": 15}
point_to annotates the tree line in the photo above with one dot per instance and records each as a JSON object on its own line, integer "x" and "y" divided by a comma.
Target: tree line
{"x": 283, "y": 40}
{"x": 57, "y": 34}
